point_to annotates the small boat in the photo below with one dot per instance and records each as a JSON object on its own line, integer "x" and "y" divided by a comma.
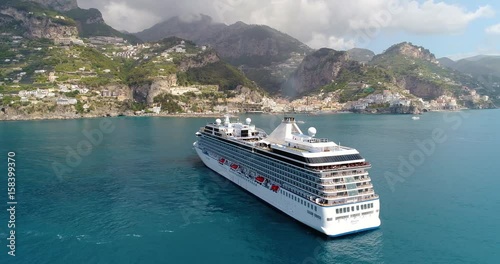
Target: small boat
{"x": 222, "y": 160}
{"x": 234, "y": 166}
{"x": 259, "y": 179}
{"x": 275, "y": 188}
{"x": 415, "y": 117}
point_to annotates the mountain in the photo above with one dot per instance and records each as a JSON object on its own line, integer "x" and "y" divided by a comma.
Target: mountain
{"x": 446, "y": 62}
{"x": 90, "y": 23}
{"x": 196, "y": 29}
{"x": 482, "y": 67}
{"x": 32, "y": 20}
{"x": 316, "y": 70}
{"x": 194, "y": 67}
{"x": 401, "y": 68}
{"x": 54, "y": 19}
{"x": 408, "y": 50}
{"x": 59, "y": 5}
{"x": 266, "y": 55}
{"x": 361, "y": 55}
{"x": 239, "y": 43}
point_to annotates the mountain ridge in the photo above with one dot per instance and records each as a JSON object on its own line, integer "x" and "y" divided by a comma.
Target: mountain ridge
{"x": 265, "y": 54}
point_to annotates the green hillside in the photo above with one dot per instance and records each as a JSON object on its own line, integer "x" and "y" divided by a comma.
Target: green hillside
{"x": 37, "y": 11}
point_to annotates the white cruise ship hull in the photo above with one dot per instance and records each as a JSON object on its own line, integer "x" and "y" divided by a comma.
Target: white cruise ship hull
{"x": 360, "y": 216}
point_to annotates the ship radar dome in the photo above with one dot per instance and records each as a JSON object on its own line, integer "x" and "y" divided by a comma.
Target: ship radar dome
{"x": 311, "y": 131}
{"x": 248, "y": 121}
{"x": 218, "y": 121}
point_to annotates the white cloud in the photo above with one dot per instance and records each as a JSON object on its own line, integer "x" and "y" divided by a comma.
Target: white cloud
{"x": 332, "y": 23}
{"x": 320, "y": 40}
{"x": 494, "y": 29}
{"x": 121, "y": 16}
{"x": 436, "y": 17}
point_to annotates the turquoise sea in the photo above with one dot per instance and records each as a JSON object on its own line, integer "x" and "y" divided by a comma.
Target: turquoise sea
{"x": 139, "y": 194}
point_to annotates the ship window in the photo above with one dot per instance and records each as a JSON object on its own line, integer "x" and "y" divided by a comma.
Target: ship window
{"x": 329, "y": 219}
{"x": 344, "y": 209}
{"x": 357, "y": 207}
{"x": 348, "y": 209}
{"x": 352, "y": 208}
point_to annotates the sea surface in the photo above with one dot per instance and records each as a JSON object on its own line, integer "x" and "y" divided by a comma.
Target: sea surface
{"x": 139, "y": 194}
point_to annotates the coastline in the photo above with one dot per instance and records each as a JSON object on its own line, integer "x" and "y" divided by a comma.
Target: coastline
{"x": 71, "y": 117}
{"x": 6, "y": 118}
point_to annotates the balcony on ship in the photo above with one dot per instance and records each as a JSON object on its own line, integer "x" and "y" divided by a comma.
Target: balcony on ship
{"x": 342, "y": 167}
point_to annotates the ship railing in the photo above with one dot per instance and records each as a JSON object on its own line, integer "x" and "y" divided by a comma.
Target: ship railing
{"x": 342, "y": 167}
{"x": 327, "y": 183}
{"x": 333, "y": 190}
{"x": 318, "y": 140}
{"x": 341, "y": 200}
{"x": 339, "y": 180}
{"x": 349, "y": 200}
{"x": 344, "y": 173}
{"x": 364, "y": 185}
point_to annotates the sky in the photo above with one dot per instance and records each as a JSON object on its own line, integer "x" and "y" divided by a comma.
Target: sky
{"x": 451, "y": 28}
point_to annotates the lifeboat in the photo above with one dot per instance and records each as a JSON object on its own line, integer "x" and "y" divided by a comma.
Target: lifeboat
{"x": 259, "y": 179}
{"x": 275, "y": 188}
{"x": 234, "y": 166}
{"x": 221, "y": 160}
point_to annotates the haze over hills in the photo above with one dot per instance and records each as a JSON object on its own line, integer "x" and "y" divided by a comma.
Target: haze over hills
{"x": 485, "y": 68}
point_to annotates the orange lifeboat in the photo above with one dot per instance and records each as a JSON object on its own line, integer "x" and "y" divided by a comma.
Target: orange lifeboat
{"x": 259, "y": 179}
{"x": 275, "y": 188}
{"x": 234, "y": 166}
{"x": 222, "y": 160}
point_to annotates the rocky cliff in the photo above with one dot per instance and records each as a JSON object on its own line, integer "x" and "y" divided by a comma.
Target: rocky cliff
{"x": 409, "y": 50}
{"x": 316, "y": 70}
{"x": 425, "y": 89}
{"x": 159, "y": 86}
{"x": 198, "y": 61}
{"x": 35, "y": 26}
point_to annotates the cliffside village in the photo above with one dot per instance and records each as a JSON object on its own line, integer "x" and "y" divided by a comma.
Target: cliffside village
{"x": 63, "y": 92}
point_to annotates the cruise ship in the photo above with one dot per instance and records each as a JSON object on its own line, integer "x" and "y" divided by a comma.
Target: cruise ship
{"x": 316, "y": 181}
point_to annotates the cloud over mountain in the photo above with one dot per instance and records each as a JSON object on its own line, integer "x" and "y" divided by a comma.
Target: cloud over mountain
{"x": 339, "y": 24}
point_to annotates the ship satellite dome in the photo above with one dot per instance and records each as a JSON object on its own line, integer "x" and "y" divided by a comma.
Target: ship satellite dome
{"x": 311, "y": 131}
{"x": 218, "y": 121}
{"x": 248, "y": 120}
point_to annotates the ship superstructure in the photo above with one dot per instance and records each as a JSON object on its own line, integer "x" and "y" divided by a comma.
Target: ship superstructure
{"x": 316, "y": 181}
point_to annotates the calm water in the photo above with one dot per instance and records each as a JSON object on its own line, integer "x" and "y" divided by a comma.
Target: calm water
{"x": 142, "y": 196}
